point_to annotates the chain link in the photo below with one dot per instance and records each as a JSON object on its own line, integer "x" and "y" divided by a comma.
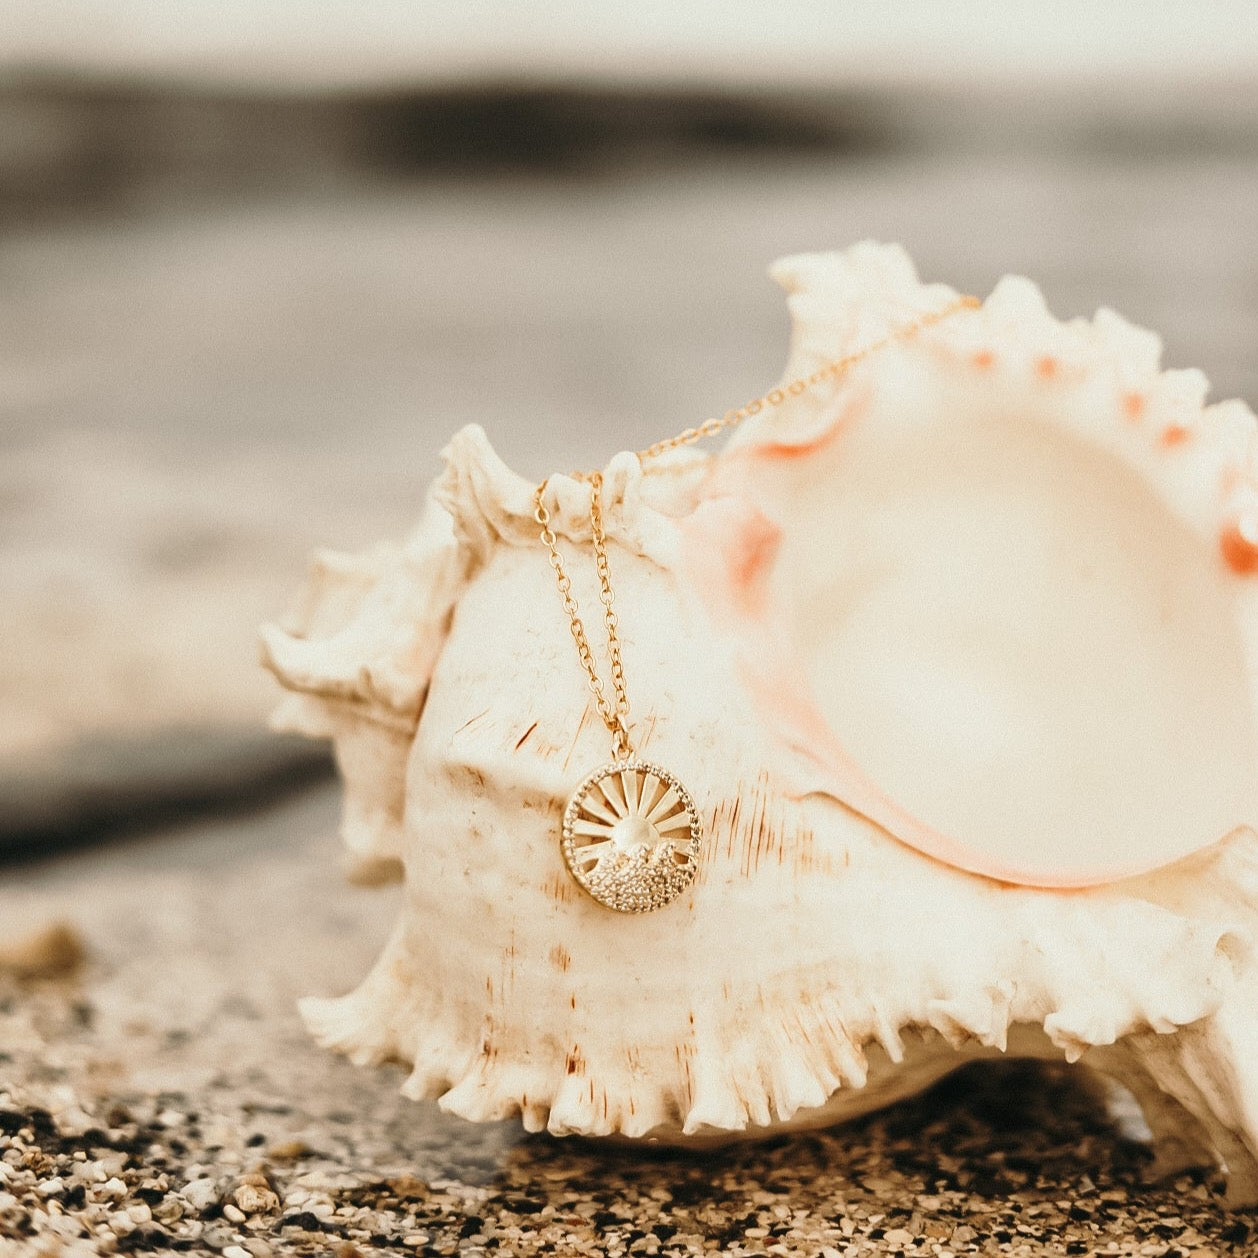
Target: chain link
{"x": 616, "y": 715}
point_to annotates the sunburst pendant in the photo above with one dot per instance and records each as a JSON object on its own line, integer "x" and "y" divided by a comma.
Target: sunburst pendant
{"x": 631, "y": 836}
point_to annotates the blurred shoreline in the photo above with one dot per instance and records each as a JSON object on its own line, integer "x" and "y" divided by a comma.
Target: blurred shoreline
{"x": 73, "y": 146}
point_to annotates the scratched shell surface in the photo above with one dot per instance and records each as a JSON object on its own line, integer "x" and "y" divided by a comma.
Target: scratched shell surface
{"x": 956, "y": 656}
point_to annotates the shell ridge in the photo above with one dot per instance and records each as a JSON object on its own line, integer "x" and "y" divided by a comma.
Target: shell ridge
{"x": 805, "y": 1055}
{"x": 1014, "y": 326}
{"x": 359, "y": 652}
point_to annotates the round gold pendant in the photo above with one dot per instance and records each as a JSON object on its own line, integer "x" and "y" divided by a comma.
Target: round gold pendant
{"x": 631, "y": 836}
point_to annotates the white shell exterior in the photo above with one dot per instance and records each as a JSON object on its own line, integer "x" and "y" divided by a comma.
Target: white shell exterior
{"x": 823, "y": 963}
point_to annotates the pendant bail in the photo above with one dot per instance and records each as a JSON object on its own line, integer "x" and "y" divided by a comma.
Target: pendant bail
{"x": 622, "y": 748}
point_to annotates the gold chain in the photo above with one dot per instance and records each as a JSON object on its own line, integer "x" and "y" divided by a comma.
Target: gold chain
{"x": 616, "y": 715}
{"x": 827, "y": 371}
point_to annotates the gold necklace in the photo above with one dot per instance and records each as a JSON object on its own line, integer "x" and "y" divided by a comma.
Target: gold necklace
{"x": 631, "y": 832}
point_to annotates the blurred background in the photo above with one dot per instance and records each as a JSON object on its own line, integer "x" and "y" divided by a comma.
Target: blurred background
{"x": 258, "y": 260}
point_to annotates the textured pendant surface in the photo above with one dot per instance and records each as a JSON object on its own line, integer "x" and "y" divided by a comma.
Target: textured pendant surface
{"x": 631, "y": 836}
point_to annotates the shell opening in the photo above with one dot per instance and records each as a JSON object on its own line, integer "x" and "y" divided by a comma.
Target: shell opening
{"x": 1027, "y": 655}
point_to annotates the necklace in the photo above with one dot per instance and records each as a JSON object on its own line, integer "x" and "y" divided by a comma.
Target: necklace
{"x": 631, "y": 833}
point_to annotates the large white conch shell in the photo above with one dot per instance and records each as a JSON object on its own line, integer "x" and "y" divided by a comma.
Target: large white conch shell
{"x": 957, "y": 657}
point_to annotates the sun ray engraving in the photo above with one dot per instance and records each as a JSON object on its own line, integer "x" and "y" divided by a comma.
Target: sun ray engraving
{"x": 615, "y": 800}
{"x": 664, "y": 805}
{"x": 596, "y": 806}
{"x": 631, "y": 836}
{"x": 596, "y": 829}
{"x": 630, "y": 782}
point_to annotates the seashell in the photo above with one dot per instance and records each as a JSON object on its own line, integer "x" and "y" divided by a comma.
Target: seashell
{"x": 957, "y": 657}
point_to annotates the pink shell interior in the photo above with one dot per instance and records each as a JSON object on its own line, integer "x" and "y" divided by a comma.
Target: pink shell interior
{"x": 987, "y": 635}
